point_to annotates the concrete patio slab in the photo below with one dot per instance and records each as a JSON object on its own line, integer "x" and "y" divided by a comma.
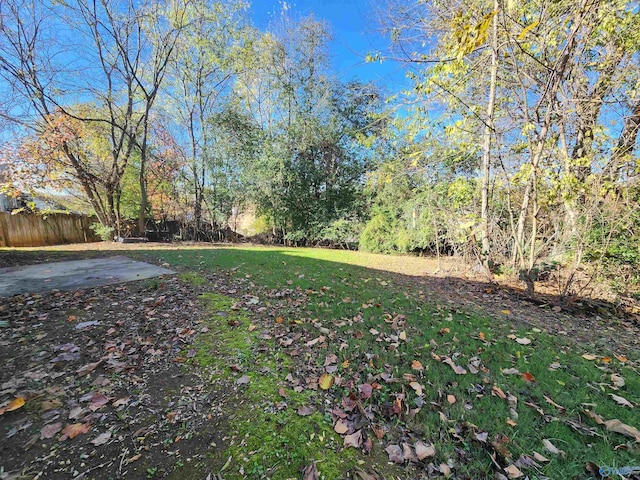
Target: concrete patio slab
{"x": 75, "y": 274}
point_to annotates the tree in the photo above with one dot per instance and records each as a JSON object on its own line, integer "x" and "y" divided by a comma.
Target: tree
{"x": 121, "y": 69}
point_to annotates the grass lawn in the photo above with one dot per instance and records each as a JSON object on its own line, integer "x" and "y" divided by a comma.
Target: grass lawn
{"x": 485, "y": 393}
{"x": 337, "y": 362}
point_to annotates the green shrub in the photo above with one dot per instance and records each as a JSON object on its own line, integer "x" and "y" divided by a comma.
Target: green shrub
{"x": 105, "y": 232}
{"x": 379, "y": 234}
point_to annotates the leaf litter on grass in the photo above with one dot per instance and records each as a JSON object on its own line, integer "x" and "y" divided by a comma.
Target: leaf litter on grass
{"x": 370, "y": 337}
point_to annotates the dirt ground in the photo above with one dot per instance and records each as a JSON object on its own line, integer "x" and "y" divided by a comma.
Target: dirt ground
{"x": 113, "y": 372}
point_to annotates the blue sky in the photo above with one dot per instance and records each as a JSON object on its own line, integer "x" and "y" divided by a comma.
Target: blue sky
{"x": 355, "y": 31}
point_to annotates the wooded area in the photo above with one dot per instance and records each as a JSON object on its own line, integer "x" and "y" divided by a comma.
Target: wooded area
{"x": 515, "y": 147}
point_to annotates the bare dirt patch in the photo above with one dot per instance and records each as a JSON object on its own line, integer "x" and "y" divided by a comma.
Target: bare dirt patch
{"x": 105, "y": 392}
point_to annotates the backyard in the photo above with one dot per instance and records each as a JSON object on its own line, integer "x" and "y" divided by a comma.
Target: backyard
{"x": 265, "y": 362}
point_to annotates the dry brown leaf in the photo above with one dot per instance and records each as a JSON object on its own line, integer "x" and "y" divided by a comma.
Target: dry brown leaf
{"x": 102, "y": 438}
{"x": 243, "y": 380}
{"x": 451, "y": 399}
{"x": 311, "y": 472}
{"x": 395, "y": 453}
{"x": 594, "y": 416}
{"x": 340, "y": 427}
{"x": 550, "y": 447}
{"x": 513, "y": 472}
{"x": 424, "y": 451}
{"x": 621, "y": 400}
{"x": 445, "y": 470}
{"x": 417, "y": 387}
{"x": 88, "y": 368}
{"x": 353, "y": 440}
{"x": 617, "y": 380}
{"x": 497, "y": 392}
{"x": 523, "y": 341}
{"x": 305, "y": 411}
{"x": 50, "y": 431}
{"x": 540, "y": 458}
{"x": 527, "y": 377}
{"x": 72, "y": 430}
{"x": 456, "y": 368}
{"x": 379, "y": 431}
{"x": 617, "y": 426}
{"x": 588, "y": 356}
{"x": 416, "y": 365}
{"x": 510, "y": 371}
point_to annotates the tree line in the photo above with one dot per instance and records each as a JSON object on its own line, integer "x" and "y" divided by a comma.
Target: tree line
{"x": 514, "y": 146}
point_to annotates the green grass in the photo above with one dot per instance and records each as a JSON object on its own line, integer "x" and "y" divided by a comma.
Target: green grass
{"x": 333, "y": 290}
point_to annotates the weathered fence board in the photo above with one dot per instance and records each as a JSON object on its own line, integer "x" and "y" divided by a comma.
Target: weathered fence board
{"x": 30, "y": 230}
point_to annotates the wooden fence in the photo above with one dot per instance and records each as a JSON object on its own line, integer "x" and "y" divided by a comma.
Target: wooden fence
{"x": 31, "y": 230}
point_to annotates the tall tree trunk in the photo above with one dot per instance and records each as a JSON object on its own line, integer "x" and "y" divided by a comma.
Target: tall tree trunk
{"x": 486, "y": 148}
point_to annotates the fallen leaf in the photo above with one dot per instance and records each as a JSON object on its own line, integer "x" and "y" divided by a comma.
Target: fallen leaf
{"x": 527, "y": 377}
{"x": 353, "y": 440}
{"x": 279, "y": 320}
{"x": 252, "y": 327}
{"x": 550, "y": 447}
{"x": 408, "y": 453}
{"x": 102, "y": 438}
{"x": 50, "y": 431}
{"x": 605, "y": 359}
{"x": 98, "y": 401}
{"x": 88, "y": 368}
{"x": 523, "y": 341}
{"x": 243, "y": 380}
{"x": 365, "y": 390}
{"x": 588, "y": 356}
{"x": 417, "y": 387}
{"x": 395, "y": 453}
{"x": 482, "y": 437}
{"x": 378, "y": 431}
{"x": 445, "y": 469}
{"x": 621, "y": 400}
{"x": 594, "y": 416}
{"x": 444, "y": 331}
{"x": 416, "y": 365}
{"x": 540, "y": 458}
{"x": 506, "y": 312}
{"x": 497, "y": 392}
{"x": 359, "y": 474}
{"x": 134, "y": 458}
{"x": 50, "y": 405}
{"x": 311, "y": 472}
{"x": 315, "y": 341}
{"x": 326, "y": 381}
{"x": 340, "y": 427}
{"x": 621, "y": 358}
{"x": 617, "y": 426}
{"x": 510, "y": 371}
{"x": 456, "y": 368}
{"x": 617, "y": 380}
{"x": 513, "y": 472}
{"x": 451, "y": 399}
{"x": 14, "y": 404}
{"x": 72, "y": 430}
{"x": 305, "y": 411}
{"x": 424, "y": 451}
{"x": 511, "y": 422}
